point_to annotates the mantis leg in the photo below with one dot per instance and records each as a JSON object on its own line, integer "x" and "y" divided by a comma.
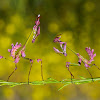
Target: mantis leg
{"x": 31, "y": 61}
{"x": 42, "y": 72}
{"x": 96, "y": 66}
{"x": 72, "y": 76}
{"x": 29, "y": 72}
{"x": 71, "y": 64}
{"x": 90, "y": 74}
{"x": 12, "y": 72}
{"x": 41, "y": 68}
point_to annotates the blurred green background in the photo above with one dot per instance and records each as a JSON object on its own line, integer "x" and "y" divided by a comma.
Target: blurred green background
{"x": 79, "y": 23}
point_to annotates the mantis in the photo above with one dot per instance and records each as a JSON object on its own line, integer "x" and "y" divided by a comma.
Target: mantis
{"x": 87, "y": 63}
{"x": 21, "y": 53}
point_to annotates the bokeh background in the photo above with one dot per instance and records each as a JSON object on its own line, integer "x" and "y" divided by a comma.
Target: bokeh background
{"x": 79, "y": 23}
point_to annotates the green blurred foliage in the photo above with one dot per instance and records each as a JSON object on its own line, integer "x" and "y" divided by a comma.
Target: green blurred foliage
{"x": 77, "y": 20}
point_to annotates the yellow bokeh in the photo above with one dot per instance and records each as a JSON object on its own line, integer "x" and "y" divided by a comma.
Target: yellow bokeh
{"x": 27, "y": 32}
{"x": 10, "y": 29}
{"x": 53, "y": 27}
{"x": 2, "y": 24}
{"x": 67, "y": 36}
{"x": 9, "y": 94}
{"x": 40, "y": 94}
{"x": 5, "y": 42}
{"x": 89, "y": 6}
{"x": 17, "y": 20}
{"x": 51, "y": 58}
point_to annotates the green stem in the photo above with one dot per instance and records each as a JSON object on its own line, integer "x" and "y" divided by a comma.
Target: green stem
{"x": 52, "y": 81}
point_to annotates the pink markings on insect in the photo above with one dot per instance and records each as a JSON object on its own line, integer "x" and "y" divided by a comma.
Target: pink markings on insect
{"x": 14, "y": 49}
{"x": 57, "y": 51}
{"x": 90, "y": 53}
{"x": 67, "y": 64}
{"x": 23, "y": 54}
{"x": 36, "y": 29}
{"x": 17, "y": 59}
{"x": 39, "y": 60}
{"x": 57, "y": 39}
{"x": 80, "y": 59}
{"x": 37, "y": 22}
{"x": 1, "y": 57}
{"x": 62, "y": 45}
{"x": 33, "y": 40}
{"x": 20, "y": 53}
{"x": 31, "y": 61}
{"x": 85, "y": 61}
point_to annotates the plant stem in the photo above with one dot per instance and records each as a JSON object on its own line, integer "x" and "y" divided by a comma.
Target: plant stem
{"x": 52, "y": 81}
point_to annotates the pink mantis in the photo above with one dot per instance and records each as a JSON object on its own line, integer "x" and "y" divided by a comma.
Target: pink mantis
{"x": 21, "y": 53}
{"x": 86, "y": 62}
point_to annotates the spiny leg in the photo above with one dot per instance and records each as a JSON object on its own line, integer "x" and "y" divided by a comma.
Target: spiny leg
{"x": 90, "y": 74}
{"x": 12, "y": 72}
{"x": 27, "y": 58}
{"x": 31, "y": 61}
{"x": 29, "y": 73}
{"x": 42, "y": 71}
{"x": 96, "y": 66}
{"x": 70, "y": 74}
